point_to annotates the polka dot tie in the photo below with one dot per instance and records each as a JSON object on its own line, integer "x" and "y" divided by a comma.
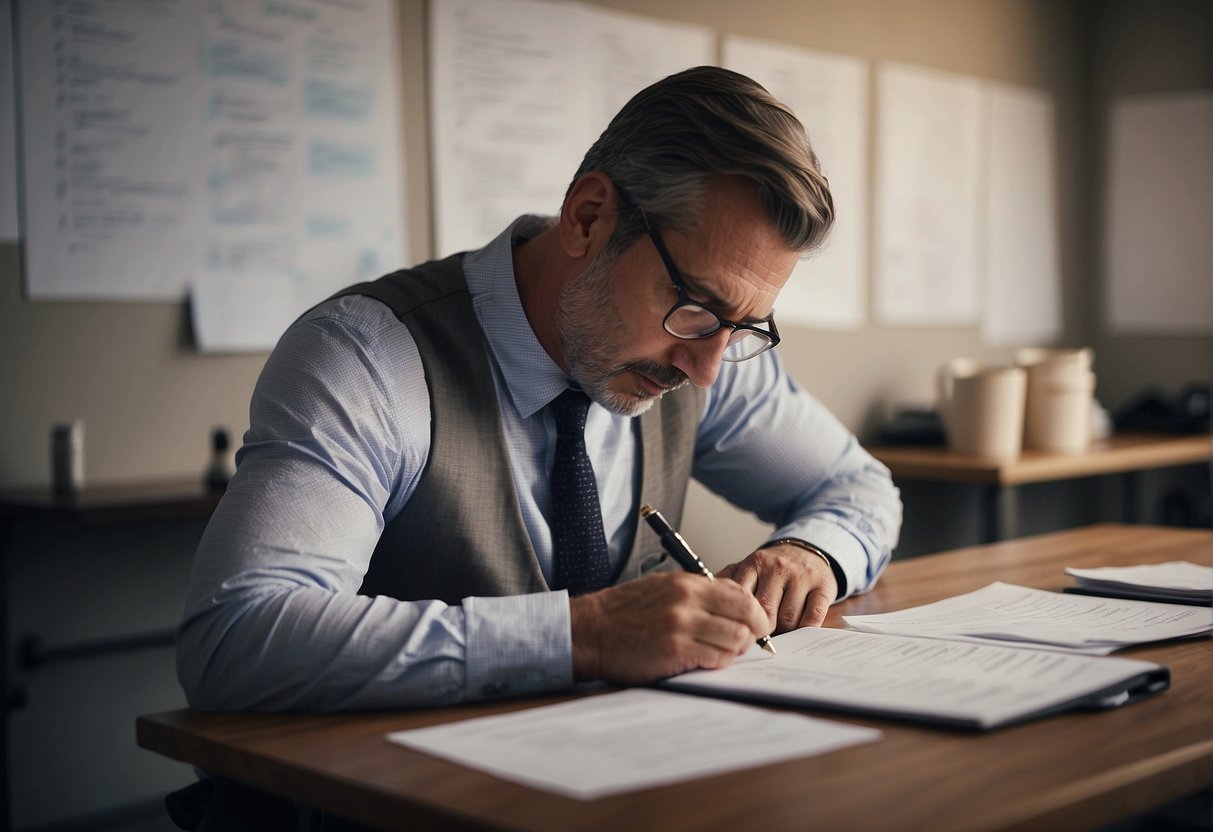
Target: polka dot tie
{"x": 582, "y": 564}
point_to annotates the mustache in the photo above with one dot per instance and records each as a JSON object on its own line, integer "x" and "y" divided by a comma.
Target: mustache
{"x": 669, "y": 377}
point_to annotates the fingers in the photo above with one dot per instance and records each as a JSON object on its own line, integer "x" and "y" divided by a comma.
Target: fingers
{"x": 730, "y": 601}
{"x": 815, "y": 609}
{"x": 662, "y": 625}
{"x": 794, "y": 587}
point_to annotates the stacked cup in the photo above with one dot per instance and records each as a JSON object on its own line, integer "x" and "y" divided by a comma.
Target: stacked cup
{"x": 1060, "y": 395}
{"x": 1044, "y": 402}
{"x": 982, "y": 407}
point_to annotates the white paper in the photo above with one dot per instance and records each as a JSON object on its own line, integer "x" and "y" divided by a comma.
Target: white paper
{"x": 634, "y": 739}
{"x": 1022, "y": 304}
{"x": 519, "y": 91}
{"x": 112, "y": 117}
{"x": 232, "y": 315}
{"x": 507, "y": 111}
{"x": 1010, "y": 613}
{"x": 829, "y": 94}
{"x": 1175, "y": 581}
{"x": 9, "y": 227}
{"x": 172, "y": 142}
{"x": 1158, "y": 251}
{"x": 978, "y": 684}
{"x": 1176, "y": 574}
{"x": 624, "y": 53}
{"x": 928, "y": 269}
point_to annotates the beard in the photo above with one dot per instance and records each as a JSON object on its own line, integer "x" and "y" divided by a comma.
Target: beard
{"x": 593, "y": 335}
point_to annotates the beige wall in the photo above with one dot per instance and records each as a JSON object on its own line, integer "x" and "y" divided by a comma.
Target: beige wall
{"x": 149, "y": 401}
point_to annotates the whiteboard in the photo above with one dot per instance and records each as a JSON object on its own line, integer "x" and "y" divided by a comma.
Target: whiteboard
{"x": 928, "y": 197}
{"x": 829, "y": 94}
{"x": 1022, "y": 305}
{"x": 1158, "y": 238}
{"x": 209, "y": 143}
{"x": 521, "y": 88}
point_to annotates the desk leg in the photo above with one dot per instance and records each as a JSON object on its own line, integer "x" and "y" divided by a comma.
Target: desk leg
{"x": 1131, "y": 497}
{"x": 6, "y": 696}
{"x": 997, "y": 513}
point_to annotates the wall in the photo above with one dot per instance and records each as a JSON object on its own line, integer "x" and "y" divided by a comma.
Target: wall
{"x": 149, "y": 401}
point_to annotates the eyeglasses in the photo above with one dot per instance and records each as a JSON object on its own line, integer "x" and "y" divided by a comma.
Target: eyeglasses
{"x": 690, "y": 321}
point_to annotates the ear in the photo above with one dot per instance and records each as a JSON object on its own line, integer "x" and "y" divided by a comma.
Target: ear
{"x": 588, "y": 215}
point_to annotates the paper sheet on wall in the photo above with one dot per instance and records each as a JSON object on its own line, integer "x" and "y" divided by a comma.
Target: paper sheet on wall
{"x": 1022, "y": 304}
{"x": 170, "y": 144}
{"x": 829, "y": 95}
{"x": 9, "y": 226}
{"x": 928, "y": 198}
{"x": 633, "y": 739}
{"x": 1158, "y": 249}
{"x": 520, "y": 89}
{"x": 233, "y": 315}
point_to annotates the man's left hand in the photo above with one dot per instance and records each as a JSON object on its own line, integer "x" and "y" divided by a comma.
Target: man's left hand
{"x": 794, "y": 586}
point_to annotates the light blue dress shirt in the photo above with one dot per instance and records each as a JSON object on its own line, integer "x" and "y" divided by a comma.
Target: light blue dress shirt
{"x": 339, "y": 435}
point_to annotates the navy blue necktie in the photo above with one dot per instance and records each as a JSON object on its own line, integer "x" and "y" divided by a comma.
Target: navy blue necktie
{"x": 582, "y": 563}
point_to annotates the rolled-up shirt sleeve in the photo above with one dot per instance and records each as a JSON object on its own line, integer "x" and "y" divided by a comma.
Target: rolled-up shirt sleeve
{"x": 768, "y": 446}
{"x": 339, "y": 433}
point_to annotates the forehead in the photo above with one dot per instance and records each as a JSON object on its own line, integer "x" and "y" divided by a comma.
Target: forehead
{"x": 735, "y": 252}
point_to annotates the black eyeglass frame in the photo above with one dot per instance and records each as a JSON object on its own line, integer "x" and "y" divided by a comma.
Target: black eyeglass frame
{"x": 769, "y": 337}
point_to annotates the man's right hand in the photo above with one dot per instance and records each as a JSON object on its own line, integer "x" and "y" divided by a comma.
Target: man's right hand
{"x": 662, "y": 625}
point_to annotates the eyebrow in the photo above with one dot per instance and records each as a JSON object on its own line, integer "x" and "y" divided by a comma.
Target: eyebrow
{"x": 715, "y": 302}
{"x": 692, "y": 283}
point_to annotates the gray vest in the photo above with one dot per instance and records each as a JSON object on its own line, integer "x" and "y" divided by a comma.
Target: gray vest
{"x": 462, "y": 533}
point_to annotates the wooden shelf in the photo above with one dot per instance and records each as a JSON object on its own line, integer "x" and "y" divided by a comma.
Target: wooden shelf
{"x": 179, "y": 499}
{"x": 1119, "y": 454}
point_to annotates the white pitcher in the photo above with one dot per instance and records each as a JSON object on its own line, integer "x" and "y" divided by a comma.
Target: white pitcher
{"x": 982, "y": 407}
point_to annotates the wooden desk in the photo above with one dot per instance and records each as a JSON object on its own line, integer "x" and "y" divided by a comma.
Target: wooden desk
{"x": 1126, "y": 453}
{"x": 1075, "y": 771}
{"x": 173, "y": 500}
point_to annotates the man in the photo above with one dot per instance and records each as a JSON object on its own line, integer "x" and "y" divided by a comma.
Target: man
{"x": 394, "y": 534}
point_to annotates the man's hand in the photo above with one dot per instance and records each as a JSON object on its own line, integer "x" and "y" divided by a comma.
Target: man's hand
{"x": 794, "y": 586}
{"x": 661, "y": 625}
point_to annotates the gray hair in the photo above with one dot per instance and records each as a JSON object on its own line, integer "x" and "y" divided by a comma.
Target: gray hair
{"x": 672, "y": 138}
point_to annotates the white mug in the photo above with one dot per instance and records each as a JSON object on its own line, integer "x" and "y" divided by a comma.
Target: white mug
{"x": 982, "y": 407}
{"x": 1059, "y": 400}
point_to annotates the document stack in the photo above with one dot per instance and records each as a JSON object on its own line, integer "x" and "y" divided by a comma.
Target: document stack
{"x": 1176, "y": 582}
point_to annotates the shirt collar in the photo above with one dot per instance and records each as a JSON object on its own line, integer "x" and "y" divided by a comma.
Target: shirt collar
{"x": 531, "y": 377}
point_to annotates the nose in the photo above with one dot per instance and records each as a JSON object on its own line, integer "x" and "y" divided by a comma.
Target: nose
{"x": 700, "y": 358}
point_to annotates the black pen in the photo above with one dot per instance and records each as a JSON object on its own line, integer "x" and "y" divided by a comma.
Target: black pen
{"x": 681, "y": 551}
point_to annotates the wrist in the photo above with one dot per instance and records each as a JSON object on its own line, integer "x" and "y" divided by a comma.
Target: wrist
{"x": 587, "y": 655}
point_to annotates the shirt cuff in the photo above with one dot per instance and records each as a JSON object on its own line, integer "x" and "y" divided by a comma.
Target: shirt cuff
{"x": 518, "y": 645}
{"x": 842, "y": 547}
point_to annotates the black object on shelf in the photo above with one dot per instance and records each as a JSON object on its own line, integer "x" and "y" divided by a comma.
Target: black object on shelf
{"x": 219, "y": 471}
{"x": 1155, "y": 411}
{"x": 913, "y": 427}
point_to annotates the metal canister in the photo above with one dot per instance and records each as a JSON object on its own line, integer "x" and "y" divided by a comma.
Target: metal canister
{"x": 67, "y": 457}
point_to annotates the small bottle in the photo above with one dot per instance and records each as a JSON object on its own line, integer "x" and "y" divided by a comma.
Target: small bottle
{"x": 221, "y": 468}
{"x": 67, "y": 458}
